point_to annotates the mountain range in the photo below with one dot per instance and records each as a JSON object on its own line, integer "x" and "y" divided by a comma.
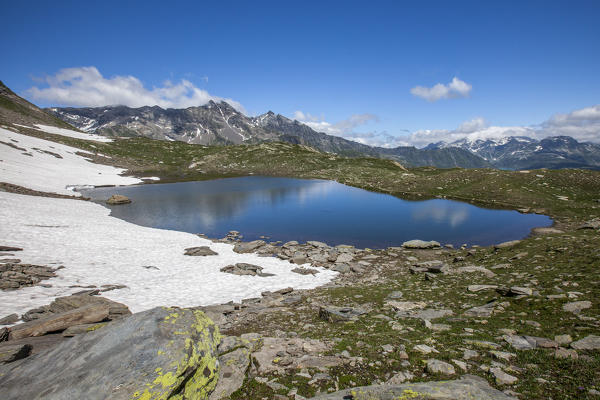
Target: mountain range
{"x": 221, "y": 124}
{"x": 521, "y": 152}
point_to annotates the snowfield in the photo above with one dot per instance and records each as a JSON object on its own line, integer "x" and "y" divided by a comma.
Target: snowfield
{"x": 52, "y": 167}
{"x": 97, "y": 249}
{"x": 68, "y": 132}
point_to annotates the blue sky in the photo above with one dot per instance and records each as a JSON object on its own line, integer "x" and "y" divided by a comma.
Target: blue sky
{"x": 350, "y": 68}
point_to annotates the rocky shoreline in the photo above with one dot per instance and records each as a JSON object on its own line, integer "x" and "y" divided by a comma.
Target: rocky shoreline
{"x": 279, "y": 349}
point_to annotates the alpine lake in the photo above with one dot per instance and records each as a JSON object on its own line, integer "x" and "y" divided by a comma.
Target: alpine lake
{"x": 284, "y": 209}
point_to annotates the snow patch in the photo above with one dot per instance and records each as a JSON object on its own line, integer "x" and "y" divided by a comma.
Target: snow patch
{"x": 70, "y": 133}
{"x": 97, "y": 249}
{"x": 52, "y": 167}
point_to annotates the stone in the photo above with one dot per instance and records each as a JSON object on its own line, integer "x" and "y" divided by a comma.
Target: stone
{"x": 395, "y": 295}
{"x": 591, "y": 342}
{"x": 341, "y": 268}
{"x": 317, "y": 244}
{"x": 514, "y": 291}
{"x": 9, "y": 319}
{"x": 400, "y": 377}
{"x": 13, "y": 352}
{"x": 434, "y": 366}
{"x": 232, "y": 371}
{"x": 562, "y": 353}
{"x": 82, "y": 328}
{"x": 159, "y": 353}
{"x": 479, "y": 288}
{"x": 591, "y": 224}
{"x": 10, "y": 248}
{"x": 58, "y": 322}
{"x": 200, "y": 251}
{"x": 305, "y": 271}
{"x": 427, "y": 314}
{"x": 4, "y": 334}
{"x": 506, "y": 245}
{"x": 563, "y": 339}
{"x": 344, "y": 258}
{"x": 423, "y": 348}
{"x": 245, "y": 269}
{"x": 420, "y": 244}
{"x": 474, "y": 268}
{"x": 528, "y": 342}
{"x": 248, "y": 247}
{"x": 117, "y": 199}
{"x": 502, "y": 355}
{"x": 577, "y": 306}
{"x": 485, "y": 310}
{"x": 468, "y": 387}
{"x": 340, "y": 314}
{"x": 502, "y": 378}
{"x": 67, "y": 303}
{"x": 461, "y": 364}
{"x": 402, "y": 306}
{"x": 546, "y": 231}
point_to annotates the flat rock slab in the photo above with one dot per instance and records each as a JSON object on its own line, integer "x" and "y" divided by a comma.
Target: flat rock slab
{"x": 420, "y": 244}
{"x": 154, "y": 354}
{"x": 591, "y": 342}
{"x": 340, "y": 314}
{"x": 245, "y": 269}
{"x": 577, "y": 306}
{"x": 200, "y": 251}
{"x": 12, "y": 352}
{"x": 248, "y": 247}
{"x": 468, "y": 387}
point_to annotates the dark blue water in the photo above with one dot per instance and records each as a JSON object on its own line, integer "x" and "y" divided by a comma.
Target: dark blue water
{"x": 297, "y": 209}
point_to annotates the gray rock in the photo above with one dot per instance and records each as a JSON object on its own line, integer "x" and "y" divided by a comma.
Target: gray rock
{"x": 468, "y": 387}
{"x": 485, "y": 310}
{"x": 514, "y": 291}
{"x": 12, "y": 352}
{"x": 245, "y": 269}
{"x": 59, "y": 322}
{"x": 316, "y": 244}
{"x": 10, "y": 248}
{"x": 439, "y": 367}
{"x": 4, "y": 334}
{"x": 344, "y": 258}
{"x": 305, "y": 271}
{"x": 591, "y": 224}
{"x": 9, "y": 319}
{"x": 200, "y": 251}
{"x": 248, "y": 247}
{"x": 117, "y": 199}
{"x": 502, "y": 378}
{"x": 400, "y": 377}
{"x": 340, "y": 314}
{"x": 428, "y": 314}
{"x": 67, "y": 303}
{"x": 577, "y": 306}
{"x": 479, "y": 288}
{"x": 341, "y": 268}
{"x": 153, "y": 354}
{"x": 420, "y": 244}
{"x": 505, "y": 245}
{"x": 83, "y": 328}
{"x": 591, "y": 342}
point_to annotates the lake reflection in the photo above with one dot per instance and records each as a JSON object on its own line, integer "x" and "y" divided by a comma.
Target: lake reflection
{"x": 296, "y": 209}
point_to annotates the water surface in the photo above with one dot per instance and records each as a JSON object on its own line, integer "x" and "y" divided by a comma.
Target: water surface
{"x": 299, "y": 209}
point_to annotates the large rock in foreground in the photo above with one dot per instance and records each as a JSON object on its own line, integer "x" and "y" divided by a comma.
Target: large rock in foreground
{"x": 469, "y": 387}
{"x": 163, "y": 353}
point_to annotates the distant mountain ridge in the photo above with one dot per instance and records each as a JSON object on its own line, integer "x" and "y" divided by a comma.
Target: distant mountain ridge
{"x": 221, "y": 124}
{"x": 521, "y": 152}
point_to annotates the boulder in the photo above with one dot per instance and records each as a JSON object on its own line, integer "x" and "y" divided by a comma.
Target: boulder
{"x": 117, "y": 199}
{"x": 10, "y": 248}
{"x": 340, "y": 314}
{"x": 591, "y": 224}
{"x": 160, "y": 353}
{"x": 59, "y": 322}
{"x": 12, "y": 352}
{"x": 67, "y": 303}
{"x": 245, "y": 269}
{"x": 591, "y": 342}
{"x": 502, "y": 378}
{"x": 200, "y": 251}
{"x": 248, "y": 247}
{"x": 506, "y": 245}
{"x": 420, "y": 244}
{"x": 577, "y": 306}
{"x": 9, "y": 319}
{"x": 468, "y": 387}
{"x": 434, "y": 366}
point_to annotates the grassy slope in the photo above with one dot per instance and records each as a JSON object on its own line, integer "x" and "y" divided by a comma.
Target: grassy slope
{"x": 558, "y": 263}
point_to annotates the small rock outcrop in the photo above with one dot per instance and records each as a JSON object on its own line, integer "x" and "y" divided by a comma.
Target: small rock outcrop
{"x": 200, "y": 251}
{"x": 245, "y": 269}
{"x": 160, "y": 353}
{"x": 117, "y": 199}
{"x": 467, "y": 387}
{"x": 420, "y": 244}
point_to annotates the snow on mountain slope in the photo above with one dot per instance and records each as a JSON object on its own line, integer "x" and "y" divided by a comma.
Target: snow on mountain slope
{"x": 52, "y": 167}
{"x": 70, "y": 133}
{"x": 97, "y": 249}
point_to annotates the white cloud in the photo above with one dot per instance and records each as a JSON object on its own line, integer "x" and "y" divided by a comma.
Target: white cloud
{"x": 341, "y": 128}
{"x": 86, "y": 87}
{"x": 454, "y": 89}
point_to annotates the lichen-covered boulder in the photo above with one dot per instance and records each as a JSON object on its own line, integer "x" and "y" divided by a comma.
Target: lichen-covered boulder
{"x": 468, "y": 387}
{"x": 163, "y": 353}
